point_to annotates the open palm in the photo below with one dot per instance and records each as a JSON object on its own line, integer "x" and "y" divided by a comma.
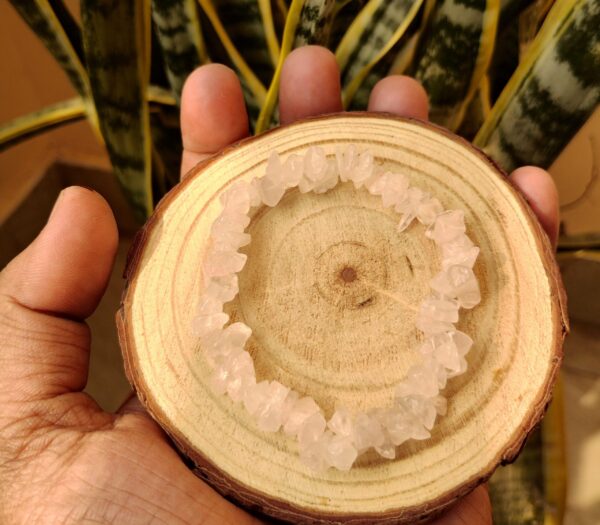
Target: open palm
{"x": 62, "y": 458}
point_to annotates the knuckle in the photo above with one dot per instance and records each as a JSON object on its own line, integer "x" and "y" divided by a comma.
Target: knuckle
{"x": 40, "y": 355}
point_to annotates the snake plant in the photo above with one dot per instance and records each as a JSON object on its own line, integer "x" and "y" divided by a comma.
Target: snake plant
{"x": 517, "y": 76}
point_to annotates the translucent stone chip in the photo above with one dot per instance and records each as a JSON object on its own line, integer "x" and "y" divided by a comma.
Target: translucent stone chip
{"x": 458, "y": 282}
{"x": 300, "y": 411}
{"x": 437, "y": 315}
{"x": 447, "y": 226}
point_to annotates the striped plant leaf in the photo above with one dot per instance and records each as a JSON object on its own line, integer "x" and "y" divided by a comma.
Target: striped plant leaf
{"x": 252, "y": 83}
{"x": 505, "y": 58}
{"x": 29, "y": 125}
{"x": 181, "y": 42}
{"x": 46, "y": 18}
{"x": 244, "y": 23}
{"x": 477, "y": 111}
{"x": 376, "y": 30}
{"x": 532, "y": 490}
{"x": 405, "y": 56}
{"x": 160, "y": 95}
{"x": 308, "y": 22}
{"x": 344, "y": 13}
{"x": 282, "y": 8}
{"x": 314, "y": 25}
{"x": 510, "y": 10}
{"x": 70, "y": 26}
{"x": 530, "y": 21}
{"x": 167, "y": 147}
{"x": 455, "y": 56}
{"x": 279, "y": 10}
{"x": 397, "y": 60}
{"x": 115, "y": 40}
{"x": 517, "y": 490}
{"x": 393, "y": 62}
{"x": 41, "y": 18}
{"x": 553, "y": 91}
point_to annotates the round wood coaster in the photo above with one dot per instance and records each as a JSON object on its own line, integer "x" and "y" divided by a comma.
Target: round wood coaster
{"x": 327, "y": 291}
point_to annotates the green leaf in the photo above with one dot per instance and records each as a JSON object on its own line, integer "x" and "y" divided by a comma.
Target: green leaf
{"x": 314, "y": 24}
{"x": 517, "y": 490}
{"x": 553, "y": 91}
{"x": 344, "y": 13}
{"x": 160, "y": 95}
{"x": 41, "y": 18}
{"x": 393, "y": 62}
{"x": 477, "y": 111}
{"x": 29, "y": 125}
{"x": 70, "y": 26}
{"x": 45, "y": 22}
{"x": 308, "y": 22}
{"x": 531, "y": 490}
{"x": 252, "y": 83}
{"x": 116, "y": 49}
{"x": 167, "y": 147}
{"x": 182, "y": 46}
{"x": 376, "y": 30}
{"x": 505, "y": 58}
{"x": 397, "y": 60}
{"x": 249, "y": 24}
{"x": 455, "y": 56}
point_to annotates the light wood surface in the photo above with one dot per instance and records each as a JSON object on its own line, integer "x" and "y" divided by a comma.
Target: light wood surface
{"x": 347, "y": 341}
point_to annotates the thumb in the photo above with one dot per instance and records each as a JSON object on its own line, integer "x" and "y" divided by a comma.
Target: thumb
{"x": 46, "y": 291}
{"x": 65, "y": 270}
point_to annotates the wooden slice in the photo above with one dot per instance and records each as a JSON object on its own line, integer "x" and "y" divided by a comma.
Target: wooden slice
{"x": 325, "y": 291}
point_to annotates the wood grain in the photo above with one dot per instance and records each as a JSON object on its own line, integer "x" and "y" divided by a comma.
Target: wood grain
{"x": 328, "y": 292}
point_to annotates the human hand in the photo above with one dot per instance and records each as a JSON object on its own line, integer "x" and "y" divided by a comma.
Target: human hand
{"x": 63, "y": 459}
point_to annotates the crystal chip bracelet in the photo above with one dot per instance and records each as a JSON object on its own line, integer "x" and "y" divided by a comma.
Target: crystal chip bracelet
{"x": 417, "y": 402}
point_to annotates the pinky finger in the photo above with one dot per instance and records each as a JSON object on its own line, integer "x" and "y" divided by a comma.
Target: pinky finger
{"x": 540, "y": 192}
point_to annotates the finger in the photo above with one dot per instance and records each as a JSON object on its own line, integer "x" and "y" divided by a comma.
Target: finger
{"x": 540, "y": 192}
{"x": 400, "y": 95}
{"x": 473, "y": 509}
{"x": 310, "y": 84}
{"x": 64, "y": 272}
{"x": 58, "y": 280}
{"x": 131, "y": 405}
{"x": 213, "y": 113}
